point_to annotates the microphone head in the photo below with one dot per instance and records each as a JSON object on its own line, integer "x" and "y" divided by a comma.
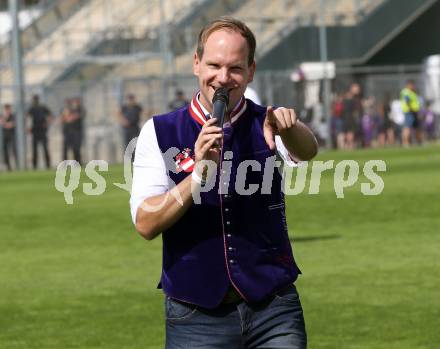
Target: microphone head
{"x": 221, "y": 94}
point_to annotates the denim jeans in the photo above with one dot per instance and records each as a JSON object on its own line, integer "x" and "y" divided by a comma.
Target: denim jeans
{"x": 277, "y": 322}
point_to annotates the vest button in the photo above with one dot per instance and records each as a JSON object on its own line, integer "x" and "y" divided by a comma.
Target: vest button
{"x": 228, "y": 223}
{"x": 229, "y": 235}
{"x": 231, "y": 261}
{"x": 227, "y": 209}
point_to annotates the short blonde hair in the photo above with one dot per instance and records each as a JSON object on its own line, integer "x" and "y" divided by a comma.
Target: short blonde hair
{"x": 228, "y": 23}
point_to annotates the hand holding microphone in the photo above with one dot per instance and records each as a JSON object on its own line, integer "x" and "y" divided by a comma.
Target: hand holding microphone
{"x": 220, "y": 103}
{"x": 208, "y": 144}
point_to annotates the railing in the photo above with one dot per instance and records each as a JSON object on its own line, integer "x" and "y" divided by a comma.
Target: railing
{"x": 337, "y": 12}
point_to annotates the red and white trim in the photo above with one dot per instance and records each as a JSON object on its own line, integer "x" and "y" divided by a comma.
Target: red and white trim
{"x": 200, "y": 115}
{"x": 196, "y": 111}
{"x": 238, "y": 110}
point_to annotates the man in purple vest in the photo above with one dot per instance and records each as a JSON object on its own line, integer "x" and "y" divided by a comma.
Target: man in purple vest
{"x": 216, "y": 197}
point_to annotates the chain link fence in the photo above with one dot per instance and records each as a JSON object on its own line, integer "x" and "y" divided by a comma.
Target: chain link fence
{"x": 102, "y": 100}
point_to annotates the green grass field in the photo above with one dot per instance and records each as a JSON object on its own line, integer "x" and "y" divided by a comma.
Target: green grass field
{"x": 79, "y": 276}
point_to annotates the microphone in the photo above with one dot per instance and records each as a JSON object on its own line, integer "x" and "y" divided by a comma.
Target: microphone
{"x": 220, "y": 103}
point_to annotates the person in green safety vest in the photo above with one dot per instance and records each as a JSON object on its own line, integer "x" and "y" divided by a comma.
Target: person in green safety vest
{"x": 410, "y": 106}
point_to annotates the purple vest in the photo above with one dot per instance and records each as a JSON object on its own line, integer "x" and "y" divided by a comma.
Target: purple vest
{"x": 228, "y": 239}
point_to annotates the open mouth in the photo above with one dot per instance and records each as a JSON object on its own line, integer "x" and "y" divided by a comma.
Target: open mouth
{"x": 216, "y": 87}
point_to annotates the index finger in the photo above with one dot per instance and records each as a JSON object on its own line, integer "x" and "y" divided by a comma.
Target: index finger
{"x": 210, "y": 122}
{"x": 269, "y": 111}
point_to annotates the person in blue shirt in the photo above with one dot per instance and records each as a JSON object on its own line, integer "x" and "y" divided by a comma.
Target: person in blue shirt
{"x": 228, "y": 267}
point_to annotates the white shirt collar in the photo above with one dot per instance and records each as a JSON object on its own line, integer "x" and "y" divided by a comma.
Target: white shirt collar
{"x": 201, "y": 114}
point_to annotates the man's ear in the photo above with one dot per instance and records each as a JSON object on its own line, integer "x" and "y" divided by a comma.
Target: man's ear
{"x": 252, "y": 69}
{"x": 196, "y": 64}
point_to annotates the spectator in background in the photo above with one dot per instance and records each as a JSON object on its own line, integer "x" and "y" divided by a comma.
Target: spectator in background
{"x": 129, "y": 117}
{"x": 78, "y": 109}
{"x": 368, "y": 122}
{"x": 410, "y": 107}
{"x": 429, "y": 121}
{"x": 41, "y": 117}
{"x": 338, "y": 122}
{"x": 398, "y": 118}
{"x": 357, "y": 109}
{"x": 179, "y": 100}
{"x": 386, "y": 127}
{"x": 72, "y": 130}
{"x": 352, "y": 115}
{"x": 7, "y": 121}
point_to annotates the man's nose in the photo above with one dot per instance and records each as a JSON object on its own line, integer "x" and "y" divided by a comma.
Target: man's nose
{"x": 223, "y": 76}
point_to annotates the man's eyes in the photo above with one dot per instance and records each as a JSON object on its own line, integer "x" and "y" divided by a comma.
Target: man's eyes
{"x": 217, "y": 66}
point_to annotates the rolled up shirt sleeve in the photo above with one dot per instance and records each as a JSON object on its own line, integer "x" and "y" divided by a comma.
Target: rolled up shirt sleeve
{"x": 150, "y": 177}
{"x": 149, "y": 170}
{"x": 284, "y": 153}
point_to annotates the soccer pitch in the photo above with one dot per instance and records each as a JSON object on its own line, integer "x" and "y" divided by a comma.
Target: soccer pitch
{"x": 79, "y": 276}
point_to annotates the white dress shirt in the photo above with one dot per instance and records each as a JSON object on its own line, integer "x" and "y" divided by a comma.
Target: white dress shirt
{"x": 150, "y": 176}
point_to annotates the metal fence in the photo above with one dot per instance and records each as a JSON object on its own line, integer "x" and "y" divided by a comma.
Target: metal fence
{"x": 103, "y": 135}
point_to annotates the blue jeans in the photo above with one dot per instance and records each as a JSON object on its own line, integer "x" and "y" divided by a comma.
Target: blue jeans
{"x": 275, "y": 323}
{"x": 410, "y": 119}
